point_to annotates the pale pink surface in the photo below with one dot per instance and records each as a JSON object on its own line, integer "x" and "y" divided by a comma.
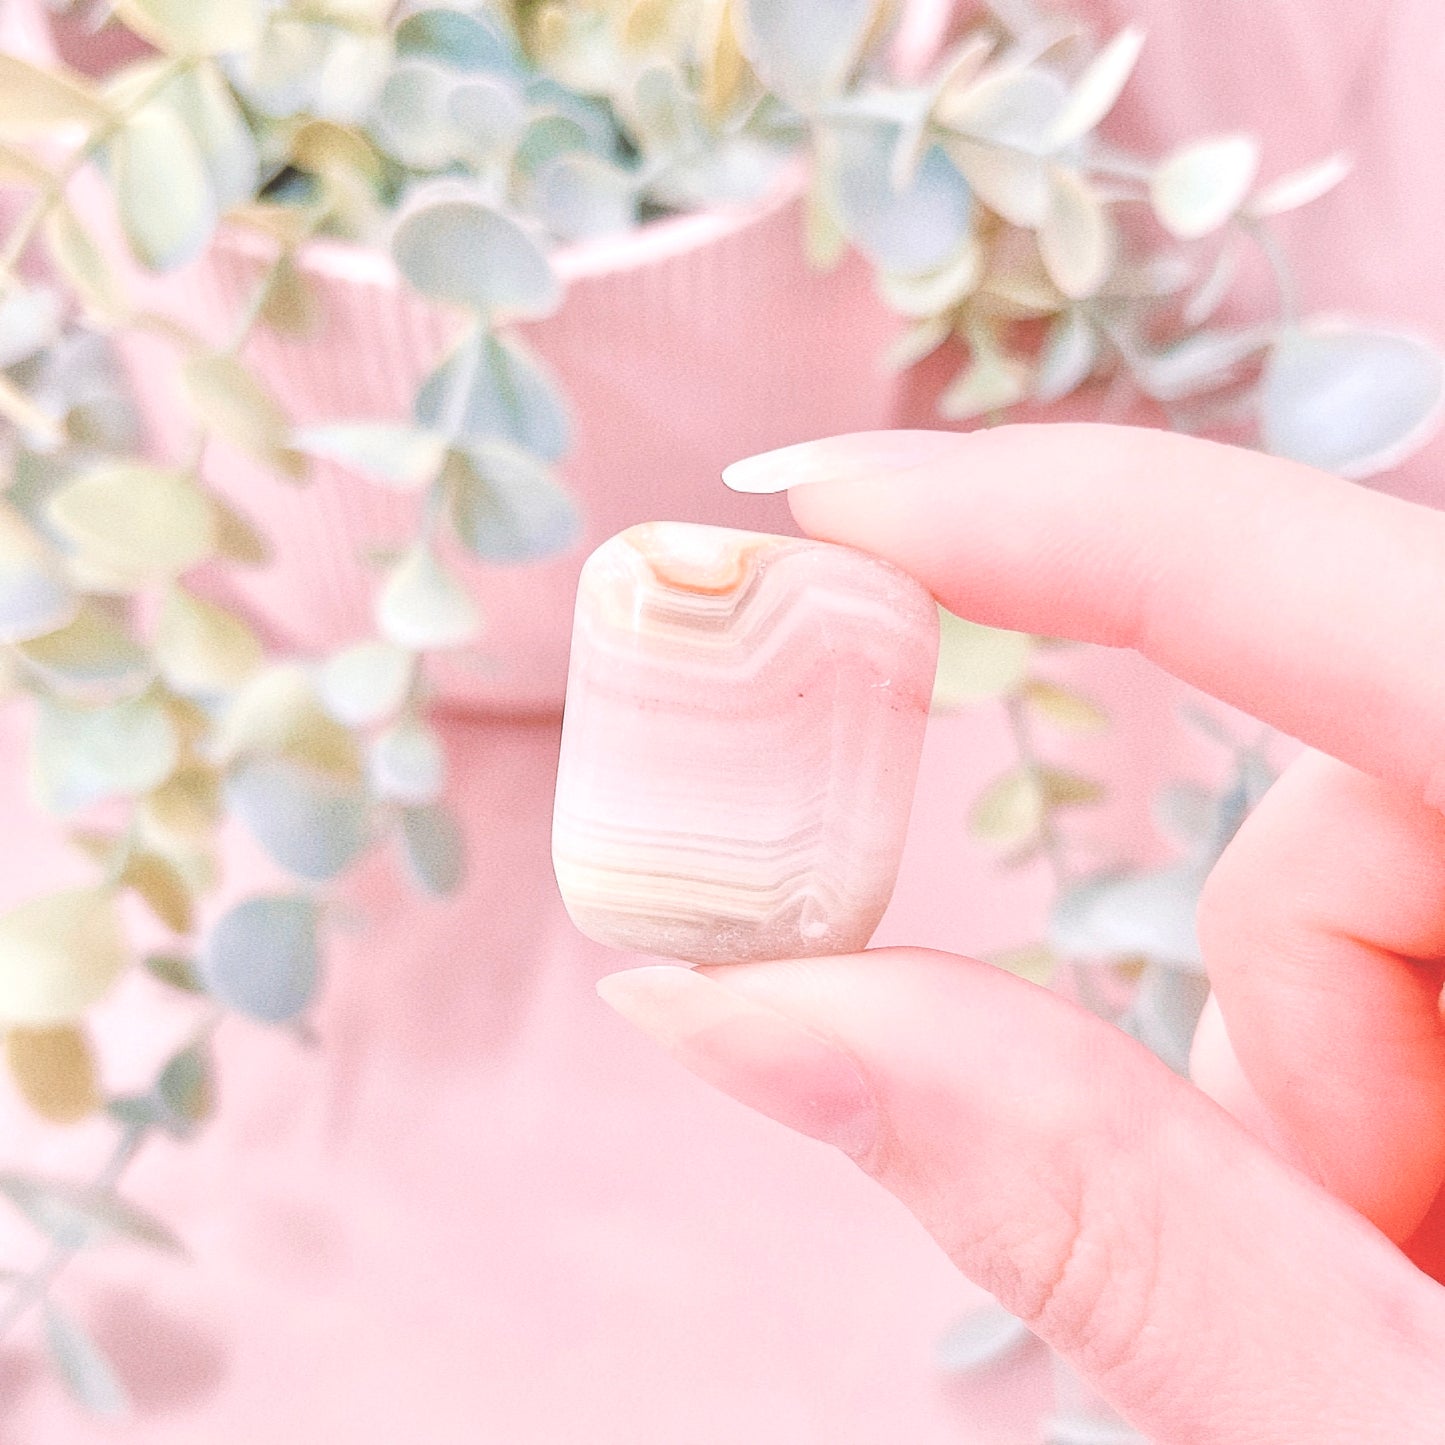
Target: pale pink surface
{"x": 431, "y": 1228}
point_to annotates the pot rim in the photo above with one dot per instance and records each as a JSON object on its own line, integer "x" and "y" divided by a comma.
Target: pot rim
{"x": 653, "y": 242}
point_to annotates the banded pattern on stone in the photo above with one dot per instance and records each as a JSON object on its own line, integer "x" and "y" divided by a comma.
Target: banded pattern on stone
{"x": 743, "y": 724}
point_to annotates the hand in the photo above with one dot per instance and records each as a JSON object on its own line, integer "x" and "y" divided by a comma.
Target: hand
{"x": 1218, "y": 1289}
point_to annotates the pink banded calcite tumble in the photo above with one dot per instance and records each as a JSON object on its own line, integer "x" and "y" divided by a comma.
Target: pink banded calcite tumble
{"x": 743, "y": 724}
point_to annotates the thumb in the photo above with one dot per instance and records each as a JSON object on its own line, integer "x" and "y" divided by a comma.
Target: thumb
{"x": 1204, "y": 1287}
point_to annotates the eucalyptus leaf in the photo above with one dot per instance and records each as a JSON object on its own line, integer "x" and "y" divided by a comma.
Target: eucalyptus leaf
{"x": 162, "y": 188}
{"x": 1010, "y": 182}
{"x": 58, "y": 954}
{"x": 202, "y": 99}
{"x": 461, "y": 250}
{"x": 277, "y": 711}
{"x": 160, "y": 884}
{"x": 1011, "y": 810}
{"x": 186, "y": 1088}
{"x": 1103, "y": 80}
{"x": 1070, "y": 353}
{"x": 407, "y": 763}
{"x": 193, "y": 27}
{"x": 666, "y": 115}
{"x": 354, "y": 67}
{"x": 313, "y": 823}
{"x": 467, "y": 42}
{"x": 803, "y": 50}
{"x": 1149, "y": 914}
{"x": 261, "y": 957}
{"x": 84, "y": 755}
{"x": 991, "y": 382}
{"x": 1076, "y": 240}
{"x": 173, "y": 969}
{"x": 412, "y": 118}
{"x": 36, "y": 100}
{"x": 1165, "y": 1012}
{"x": 579, "y": 195}
{"x": 30, "y": 318}
{"x": 54, "y": 1069}
{"x": 202, "y": 649}
{"x": 1299, "y": 188}
{"x": 91, "y": 656}
{"x": 495, "y": 390}
{"x": 392, "y": 453}
{"x": 911, "y": 231}
{"x": 278, "y": 74}
{"x": 984, "y": 1336}
{"x": 936, "y": 291}
{"x": 365, "y": 683}
{"x": 138, "y": 520}
{"x": 76, "y": 1216}
{"x": 79, "y": 261}
{"x": 977, "y": 663}
{"x": 422, "y": 607}
{"x": 489, "y": 115}
{"x": 1198, "y": 187}
{"x": 89, "y": 1378}
{"x": 1018, "y": 107}
{"x": 506, "y": 507}
{"x": 433, "y": 848}
{"x": 35, "y": 597}
{"x": 1349, "y": 400}
{"x": 232, "y": 401}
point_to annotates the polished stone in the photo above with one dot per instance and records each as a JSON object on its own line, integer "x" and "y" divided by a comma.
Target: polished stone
{"x": 743, "y": 724}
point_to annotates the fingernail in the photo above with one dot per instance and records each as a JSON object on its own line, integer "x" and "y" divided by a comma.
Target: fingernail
{"x": 759, "y": 1056}
{"x": 864, "y": 456}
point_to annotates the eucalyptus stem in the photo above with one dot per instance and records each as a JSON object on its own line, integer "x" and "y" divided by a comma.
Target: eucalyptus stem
{"x": 1286, "y": 285}
{"x": 1051, "y": 844}
{"x": 34, "y": 1287}
{"x": 53, "y": 193}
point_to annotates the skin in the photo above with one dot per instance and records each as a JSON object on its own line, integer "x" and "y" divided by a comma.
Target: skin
{"x": 1254, "y": 1257}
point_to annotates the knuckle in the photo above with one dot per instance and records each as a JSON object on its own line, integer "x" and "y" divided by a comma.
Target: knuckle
{"x": 1087, "y": 1274}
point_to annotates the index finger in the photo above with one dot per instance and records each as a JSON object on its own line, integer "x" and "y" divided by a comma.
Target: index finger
{"x": 1310, "y": 602}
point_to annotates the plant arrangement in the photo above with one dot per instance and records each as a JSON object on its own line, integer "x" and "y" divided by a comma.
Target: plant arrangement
{"x": 468, "y": 140}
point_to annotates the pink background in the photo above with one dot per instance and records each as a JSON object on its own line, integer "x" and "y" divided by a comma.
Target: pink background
{"x": 483, "y": 1209}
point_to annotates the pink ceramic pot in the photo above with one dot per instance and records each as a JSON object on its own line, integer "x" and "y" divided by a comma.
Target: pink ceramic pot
{"x": 681, "y": 346}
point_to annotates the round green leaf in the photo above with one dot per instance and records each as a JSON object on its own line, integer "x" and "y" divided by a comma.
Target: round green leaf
{"x": 365, "y": 683}
{"x": 83, "y": 755}
{"x": 193, "y": 27}
{"x": 261, "y": 957}
{"x": 34, "y": 101}
{"x": 458, "y": 249}
{"x": 433, "y": 848}
{"x": 421, "y": 606}
{"x": 490, "y": 390}
{"x": 1198, "y": 187}
{"x": 804, "y": 50}
{"x": 35, "y": 597}
{"x": 54, "y": 1069}
{"x": 392, "y": 453}
{"x": 506, "y": 507}
{"x": 407, "y": 763}
{"x": 162, "y": 187}
{"x": 1351, "y": 401}
{"x": 313, "y": 823}
{"x": 202, "y": 649}
{"x": 138, "y": 521}
{"x": 93, "y": 655}
{"x": 912, "y": 229}
{"x": 58, "y": 955}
